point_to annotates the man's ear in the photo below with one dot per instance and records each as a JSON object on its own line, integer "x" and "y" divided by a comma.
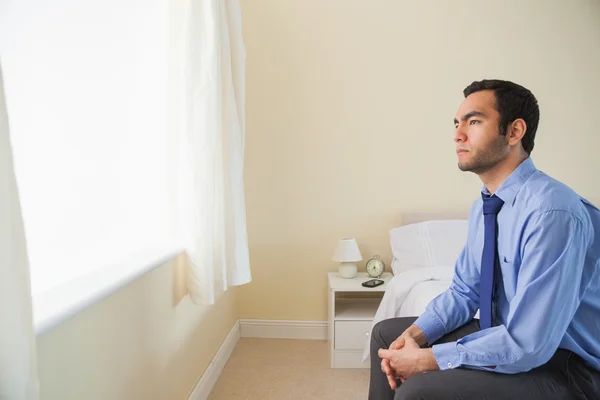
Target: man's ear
{"x": 516, "y": 130}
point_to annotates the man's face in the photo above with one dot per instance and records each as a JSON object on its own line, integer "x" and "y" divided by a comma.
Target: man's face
{"x": 479, "y": 145}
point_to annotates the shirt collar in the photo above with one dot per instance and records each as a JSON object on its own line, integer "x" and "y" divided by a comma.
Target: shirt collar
{"x": 512, "y": 184}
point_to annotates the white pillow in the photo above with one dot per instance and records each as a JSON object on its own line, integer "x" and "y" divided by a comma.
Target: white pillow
{"x": 426, "y": 244}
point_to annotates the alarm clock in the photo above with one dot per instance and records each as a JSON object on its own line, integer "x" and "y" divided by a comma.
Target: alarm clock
{"x": 375, "y": 267}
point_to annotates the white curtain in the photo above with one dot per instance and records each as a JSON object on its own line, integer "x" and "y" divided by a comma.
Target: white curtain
{"x": 210, "y": 195}
{"x": 18, "y": 378}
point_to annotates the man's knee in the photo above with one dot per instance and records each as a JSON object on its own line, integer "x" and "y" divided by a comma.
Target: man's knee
{"x": 377, "y": 338}
{"x": 379, "y": 328}
{"x": 391, "y": 328}
{"x": 420, "y": 387}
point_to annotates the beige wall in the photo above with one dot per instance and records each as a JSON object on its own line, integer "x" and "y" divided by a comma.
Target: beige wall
{"x": 349, "y": 121}
{"x": 143, "y": 342}
{"x": 147, "y": 340}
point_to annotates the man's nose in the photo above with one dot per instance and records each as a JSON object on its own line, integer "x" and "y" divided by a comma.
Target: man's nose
{"x": 459, "y": 134}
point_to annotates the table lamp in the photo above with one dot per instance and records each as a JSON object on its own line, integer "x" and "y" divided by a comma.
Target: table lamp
{"x": 348, "y": 254}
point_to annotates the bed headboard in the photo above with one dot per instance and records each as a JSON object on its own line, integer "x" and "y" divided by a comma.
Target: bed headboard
{"x": 414, "y": 217}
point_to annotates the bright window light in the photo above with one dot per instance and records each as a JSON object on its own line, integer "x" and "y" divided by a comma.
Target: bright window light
{"x": 86, "y": 88}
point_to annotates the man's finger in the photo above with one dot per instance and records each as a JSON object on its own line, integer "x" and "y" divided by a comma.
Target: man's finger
{"x": 392, "y": 381}
{"x": 385, "y": 366}
{"x": 390, "y": 375}
{"x": 384, "y": 353}
{"x": 397, "y": 344}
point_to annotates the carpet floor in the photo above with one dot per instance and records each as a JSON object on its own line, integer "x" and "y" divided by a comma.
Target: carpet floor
{"x": 285, "y": 369}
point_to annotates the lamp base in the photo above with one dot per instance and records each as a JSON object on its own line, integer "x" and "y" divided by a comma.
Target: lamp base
{"x": 348, "y": 270}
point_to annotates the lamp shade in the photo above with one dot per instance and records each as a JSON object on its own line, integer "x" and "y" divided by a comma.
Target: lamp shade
{"x": 347, "y": 251}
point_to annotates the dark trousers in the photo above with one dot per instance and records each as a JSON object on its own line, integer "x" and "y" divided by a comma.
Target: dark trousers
{"x": 565, "y": 376}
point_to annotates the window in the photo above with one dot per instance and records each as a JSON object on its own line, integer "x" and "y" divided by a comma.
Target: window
{"x": 86, "y": 88}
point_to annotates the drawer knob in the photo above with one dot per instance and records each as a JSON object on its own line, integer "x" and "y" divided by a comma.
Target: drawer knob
{"x": 367, "y": 333}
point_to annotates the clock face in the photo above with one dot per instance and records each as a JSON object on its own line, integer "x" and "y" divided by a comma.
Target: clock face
{"x": 375, "y": 267}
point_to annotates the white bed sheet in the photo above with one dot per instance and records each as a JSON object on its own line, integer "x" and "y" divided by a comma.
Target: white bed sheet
{"x": 421, "y": 295}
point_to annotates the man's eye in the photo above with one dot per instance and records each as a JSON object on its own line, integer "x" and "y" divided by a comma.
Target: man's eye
{"x": 473, "y": 122}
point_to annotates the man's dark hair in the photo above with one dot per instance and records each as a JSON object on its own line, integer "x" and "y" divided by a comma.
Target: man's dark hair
{"x": 512, "y": 102}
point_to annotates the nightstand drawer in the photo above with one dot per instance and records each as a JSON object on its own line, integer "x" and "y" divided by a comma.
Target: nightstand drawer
{"x": 351, "y": 335}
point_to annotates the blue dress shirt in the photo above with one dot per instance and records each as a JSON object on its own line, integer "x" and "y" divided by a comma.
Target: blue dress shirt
{"x": 549, "y": 293}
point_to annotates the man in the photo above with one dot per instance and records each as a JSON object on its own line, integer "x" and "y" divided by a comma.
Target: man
{"x": 531, "y": 265}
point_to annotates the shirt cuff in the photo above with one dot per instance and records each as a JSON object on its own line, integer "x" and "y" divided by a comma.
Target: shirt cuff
{"x": 446, "y": 355}
{"x": 432, "y": 327}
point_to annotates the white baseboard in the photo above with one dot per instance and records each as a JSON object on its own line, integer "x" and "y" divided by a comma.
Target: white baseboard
{"x": 256, "y": 328}
{"x": 273, "y": 329}
{"x": 215, "y": 367}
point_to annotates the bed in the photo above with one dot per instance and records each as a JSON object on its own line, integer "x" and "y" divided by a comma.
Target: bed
{"x": 424, "y": 249}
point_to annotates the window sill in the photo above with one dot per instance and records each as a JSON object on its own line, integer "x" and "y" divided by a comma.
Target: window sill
{"x": 63, "y": 302}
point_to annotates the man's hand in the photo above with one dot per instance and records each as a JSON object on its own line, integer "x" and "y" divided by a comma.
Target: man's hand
{"x": 415, "y": 333}
{"x": 408, "y": 361}
{"x": 385, "y": 363}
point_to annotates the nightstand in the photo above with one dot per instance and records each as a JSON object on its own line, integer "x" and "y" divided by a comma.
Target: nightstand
{"x": 352, "y": 308}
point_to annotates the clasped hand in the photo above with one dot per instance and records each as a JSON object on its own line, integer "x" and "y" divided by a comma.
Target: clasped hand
{"x": 404, "y": 359}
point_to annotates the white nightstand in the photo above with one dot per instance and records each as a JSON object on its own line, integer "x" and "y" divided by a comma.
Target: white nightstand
{"x": 352, "y": 308}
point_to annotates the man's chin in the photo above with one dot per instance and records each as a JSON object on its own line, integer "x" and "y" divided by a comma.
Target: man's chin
{"x": 465, "y": 167}
{"x": 474, "y": 168}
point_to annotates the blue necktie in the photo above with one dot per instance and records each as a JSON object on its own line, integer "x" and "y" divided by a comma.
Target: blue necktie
{"x": 491, "y": 207}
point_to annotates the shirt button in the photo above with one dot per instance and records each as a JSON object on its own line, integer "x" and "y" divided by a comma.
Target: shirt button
{"x": 449, "y": 365}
